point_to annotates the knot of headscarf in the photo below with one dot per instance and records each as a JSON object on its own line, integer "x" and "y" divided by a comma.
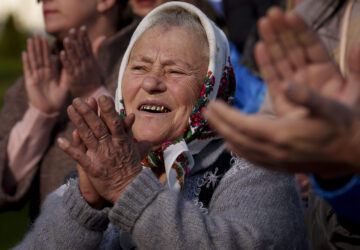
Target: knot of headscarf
{"x": 177, "y": 155}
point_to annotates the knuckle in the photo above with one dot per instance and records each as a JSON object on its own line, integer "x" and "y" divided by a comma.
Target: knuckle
{"x": 116, "y": 123}
{"x": 88, "y": 135}
{"x": 98, "y": 127}
{"x": 106, "y": 106}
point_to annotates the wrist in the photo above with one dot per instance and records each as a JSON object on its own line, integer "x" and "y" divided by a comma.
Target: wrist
{"x": 128, "y": 180}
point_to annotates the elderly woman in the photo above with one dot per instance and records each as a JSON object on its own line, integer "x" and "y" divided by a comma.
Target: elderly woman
{"x": 188, "y": 192}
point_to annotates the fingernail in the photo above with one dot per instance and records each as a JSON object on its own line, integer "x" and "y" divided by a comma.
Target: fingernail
{"x": 76, "y": 101}
{"x": 102, "y": 98}
{"x": 66, "y": 40}
{"x": 72, "y": 30}
{"x": 83, "y": 28}
{"x": 61, "y": 142}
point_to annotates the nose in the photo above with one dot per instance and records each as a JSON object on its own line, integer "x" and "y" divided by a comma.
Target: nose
{"x": 153, "y": 84}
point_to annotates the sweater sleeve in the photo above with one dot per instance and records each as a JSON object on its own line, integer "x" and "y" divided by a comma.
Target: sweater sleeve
{"x": 28, "y": 141}
{"x": 66, "y": 222}
{"x": 345, "y": 201}
{"x": 15, "y": 106}
{"x": 250, "y": 209}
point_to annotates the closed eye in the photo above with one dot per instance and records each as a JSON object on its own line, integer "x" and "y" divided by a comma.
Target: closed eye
{"x": 138, "y": 68}
{"x": 176, "y": 72}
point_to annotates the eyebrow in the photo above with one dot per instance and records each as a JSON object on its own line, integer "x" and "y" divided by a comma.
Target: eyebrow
{"x": 168, "y": 62}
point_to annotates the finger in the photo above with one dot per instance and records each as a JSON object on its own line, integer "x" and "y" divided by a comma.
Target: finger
{"x": 128, "y": 122}
{"x": 74, "y": 152}
{"x": 314, "y": 48}
{"x": 321, "y": 106}
{"x": 268, "y": 71}
{"x": 66, "y": 62}
{"x": 31, "y": 55}
{"x": 76, "y": 43}
{"x": 77, "y": 141}
{"x": 85, "y": 133}
{"x": 71, "y": 53}
{"x": 232, "y": 124}
{"x": 85, "y": 40}
{"x": 354, "y": 64}
{"x": 45, "y": 53}
{"x": 352, "y": 89}
{"x": 268, "y": 35}
{"x": 38, "y": 50}
{"x": 26, "y": 65}
{"x": 286, "y": 36}
{"x": 93, "y": 104}
{"x": 276, "y": 47}
{"x": 111, "y": 117}
{"x": 95, "y": 123}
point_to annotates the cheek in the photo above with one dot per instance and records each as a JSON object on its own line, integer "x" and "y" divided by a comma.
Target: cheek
{"x": 130, "y": 88}
{"x": 186, "y": 93}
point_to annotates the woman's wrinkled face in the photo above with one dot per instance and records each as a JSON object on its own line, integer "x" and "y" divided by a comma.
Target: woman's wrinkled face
{"x": 162, "y": 82}
{"x": 62, "y": 15}
{"x": 142, "y": 7}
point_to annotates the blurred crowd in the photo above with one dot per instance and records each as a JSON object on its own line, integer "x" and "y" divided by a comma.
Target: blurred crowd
{"x": 198, "y": 124}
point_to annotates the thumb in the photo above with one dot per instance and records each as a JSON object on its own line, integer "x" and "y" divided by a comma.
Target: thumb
{"x": 64, "y": 80}
{"x": 96, "y": 44}
{"x": 320, "y": 106}
{"x": 352, "y": 88}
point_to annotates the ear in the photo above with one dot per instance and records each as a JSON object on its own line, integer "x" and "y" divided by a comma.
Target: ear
{"x": 105, "y": 5}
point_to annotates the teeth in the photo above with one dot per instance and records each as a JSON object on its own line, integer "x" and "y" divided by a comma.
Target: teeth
{"x": 154, "y": 108}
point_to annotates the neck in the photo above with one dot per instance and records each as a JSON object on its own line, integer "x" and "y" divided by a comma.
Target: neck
{"x": 102, "y": 27}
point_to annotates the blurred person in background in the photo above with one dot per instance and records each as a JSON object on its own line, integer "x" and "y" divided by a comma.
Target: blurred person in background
{"x": 241, "y": 17}
{"x": 80, "y": 63}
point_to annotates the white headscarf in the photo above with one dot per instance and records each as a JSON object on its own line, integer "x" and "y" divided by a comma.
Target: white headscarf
{"x": 177, "y": 155}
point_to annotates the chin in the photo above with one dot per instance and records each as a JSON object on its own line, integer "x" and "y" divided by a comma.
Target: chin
{"x": 56, "y": 31}
{"x": 151, "y": 135}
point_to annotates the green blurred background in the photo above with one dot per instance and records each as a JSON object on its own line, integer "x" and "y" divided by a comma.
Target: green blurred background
{"x": 13, "y": 224}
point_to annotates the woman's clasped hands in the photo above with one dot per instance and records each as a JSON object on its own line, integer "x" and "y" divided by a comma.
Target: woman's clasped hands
{"x": 104, "y": 147}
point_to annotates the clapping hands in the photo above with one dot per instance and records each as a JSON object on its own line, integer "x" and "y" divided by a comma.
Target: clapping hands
{"x": 78, "y": 58}
{"x": 318, "y": 122}
{"x": 46, "y": 90}
{"x": 46, "y": 87}
{"x": 112, "y": 158}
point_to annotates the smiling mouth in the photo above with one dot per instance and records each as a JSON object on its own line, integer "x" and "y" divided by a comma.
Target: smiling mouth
{"x": 154, "y": 109}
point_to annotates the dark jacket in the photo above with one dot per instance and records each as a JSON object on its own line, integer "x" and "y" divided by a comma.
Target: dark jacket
{"x": 327, "y": 230}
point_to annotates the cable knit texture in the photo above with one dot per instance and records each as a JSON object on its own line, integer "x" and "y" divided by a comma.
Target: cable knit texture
{"x": 134, "y": 200}
{"x": 80, "y": 211}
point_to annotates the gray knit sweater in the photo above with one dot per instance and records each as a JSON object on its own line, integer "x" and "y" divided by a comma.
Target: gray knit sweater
{"x": 251, "y": 208}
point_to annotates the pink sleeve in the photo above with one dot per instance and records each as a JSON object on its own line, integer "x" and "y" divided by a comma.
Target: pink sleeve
{"x": 101, "y": 91}
{"x": 28, "y": 141}
{"x": 30, "y": 137}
